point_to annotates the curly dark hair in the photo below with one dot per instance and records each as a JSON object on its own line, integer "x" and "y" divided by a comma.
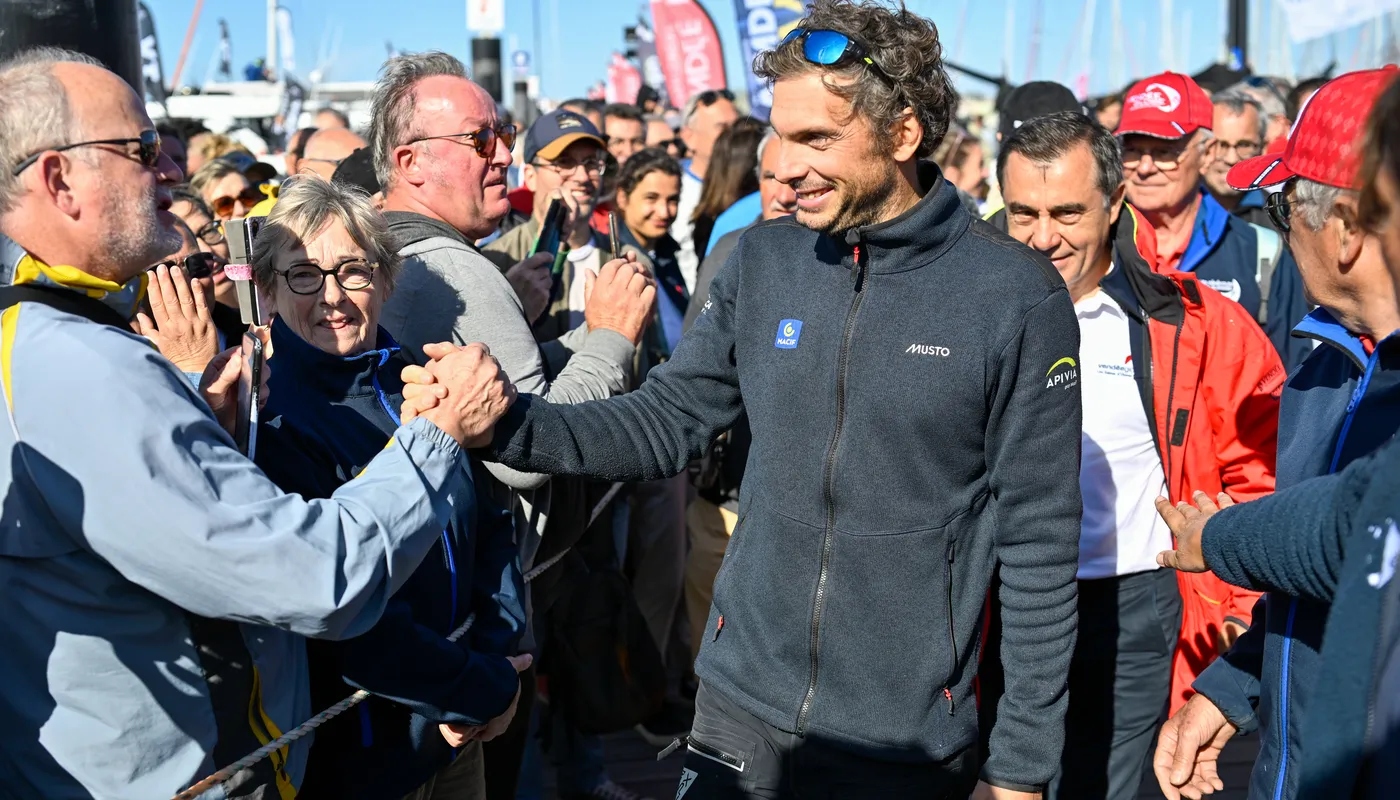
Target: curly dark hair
{"x": 905, "y": 47}
{"x": 642, "y": 164}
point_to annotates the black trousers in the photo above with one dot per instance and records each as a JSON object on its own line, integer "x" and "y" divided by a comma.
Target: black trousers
{"x": 1119, "y": 683}
{"x": 733, "y": 755}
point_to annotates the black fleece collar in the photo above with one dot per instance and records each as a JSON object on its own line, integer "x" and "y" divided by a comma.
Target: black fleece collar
{"x": 919, "y": 235}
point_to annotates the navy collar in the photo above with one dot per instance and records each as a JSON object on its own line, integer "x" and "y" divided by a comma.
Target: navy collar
{"x": 334, "y": 377}
{"x": 1322, "y": 326}
{"x": 1206, "y": 231}
{"x": 916, "y": 237}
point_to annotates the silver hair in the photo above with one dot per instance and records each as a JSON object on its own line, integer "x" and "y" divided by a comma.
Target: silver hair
{"x": 768, "y": 138}
{"x": 1239, "y": 102}
{"x": 305, "y": 207}
{"x": 392, "y": 105}
{"x": 1313, "y": 202}
{"x": 1271, "y": 103}
{"x": 34, "y": 111}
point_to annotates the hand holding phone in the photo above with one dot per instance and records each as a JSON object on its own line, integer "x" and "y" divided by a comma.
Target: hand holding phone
{"x": 250, "y": 386}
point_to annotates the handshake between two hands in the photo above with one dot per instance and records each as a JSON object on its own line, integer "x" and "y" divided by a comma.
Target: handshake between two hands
{"x": 462, "y": 390}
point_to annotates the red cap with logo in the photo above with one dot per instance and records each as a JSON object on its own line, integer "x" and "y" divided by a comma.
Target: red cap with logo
{"x": 1167, "y": 106}
{"x": 1325, "y": 143}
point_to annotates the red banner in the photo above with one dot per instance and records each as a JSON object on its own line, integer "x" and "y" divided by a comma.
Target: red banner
{"x": 624, "y": 81}
{"x": 688, "y": 47}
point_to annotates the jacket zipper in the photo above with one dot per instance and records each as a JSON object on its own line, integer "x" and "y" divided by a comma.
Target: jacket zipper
{"x": 1171, "y": 396}
{"x": 952, "y": 635}
{"x": 451, "y": 563}
{"x": 858, "y": 271}
{"x": 715, "y": 754}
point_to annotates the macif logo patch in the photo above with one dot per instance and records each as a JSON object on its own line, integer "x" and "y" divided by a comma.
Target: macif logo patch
{"x": 1063, "y": 373}
{"x": 789, "y": 331}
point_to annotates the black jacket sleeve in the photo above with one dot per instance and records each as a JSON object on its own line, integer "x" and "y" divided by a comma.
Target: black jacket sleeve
{"x": 650, "y": 433}
{"x": 1032, "y": 452}
{"x": 1292, "y": 541}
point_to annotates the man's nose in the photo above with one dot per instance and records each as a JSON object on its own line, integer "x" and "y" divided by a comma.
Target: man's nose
{"x": 1045, "y": 236}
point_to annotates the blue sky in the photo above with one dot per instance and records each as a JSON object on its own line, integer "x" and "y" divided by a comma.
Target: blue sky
{"x": 578, "y": 36}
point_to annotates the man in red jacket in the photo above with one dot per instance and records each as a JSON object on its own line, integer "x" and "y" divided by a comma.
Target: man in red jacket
{"x": 1179, "y": 386}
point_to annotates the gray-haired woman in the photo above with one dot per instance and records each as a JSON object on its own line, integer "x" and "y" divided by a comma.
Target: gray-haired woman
{"x": 324, "y": 261}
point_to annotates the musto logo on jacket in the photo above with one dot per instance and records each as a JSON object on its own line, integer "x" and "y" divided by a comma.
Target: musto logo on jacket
{"x": 1063, "y": 374}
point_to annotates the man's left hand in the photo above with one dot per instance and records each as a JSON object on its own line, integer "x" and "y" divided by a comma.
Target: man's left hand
{"x": 181, "y": 324}
{"x": 1187, "y": 524}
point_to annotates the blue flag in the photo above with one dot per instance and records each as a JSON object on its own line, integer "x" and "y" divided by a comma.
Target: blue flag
{"x": 762, "y": 24}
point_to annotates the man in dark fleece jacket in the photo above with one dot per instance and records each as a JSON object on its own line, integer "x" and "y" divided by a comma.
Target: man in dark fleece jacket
{"x": 1333, "y": 540}
{"x": 911, "y": 429}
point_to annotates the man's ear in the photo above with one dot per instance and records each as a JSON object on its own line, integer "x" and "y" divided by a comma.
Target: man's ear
{"x": 49, "y": 176}
{"x": 908, "y": 135}
{"x": 1115, "y": 203}
{"x": 1351, "y": 236}
{"x": 527, "y": 175}
{"x": 408, "y": 166}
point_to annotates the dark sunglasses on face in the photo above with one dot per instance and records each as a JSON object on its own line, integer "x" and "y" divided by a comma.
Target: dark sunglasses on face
{"x": 197, "y": 266}
{"x": 1280, "y": 210}
{"x": 832, "y": 49}
{"x": 483, "y": 140}
{"x": 713, "y": 96}
{"x": 249, "y": 197}
{"x": 147, "y": 151}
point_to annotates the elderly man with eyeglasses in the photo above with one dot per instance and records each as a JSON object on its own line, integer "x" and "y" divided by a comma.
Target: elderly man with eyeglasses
{"x": 1168, "y": 147}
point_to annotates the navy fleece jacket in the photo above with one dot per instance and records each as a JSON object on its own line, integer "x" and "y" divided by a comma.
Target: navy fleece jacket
{"x": 327, "y": 417}
{"x": 1334, "y": 540}
{"x": 911, "y": 428}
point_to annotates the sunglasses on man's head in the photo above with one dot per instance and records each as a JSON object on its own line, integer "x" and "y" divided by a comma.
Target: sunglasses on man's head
{"x": 223, "y": 206}
{"x": 197, "y": 266}
{"x": 832, "y": 49}
{"x": 482, "y": 140}
{"x": 147, "y": 150}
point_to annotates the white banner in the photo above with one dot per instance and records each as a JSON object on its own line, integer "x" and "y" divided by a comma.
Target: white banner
{"x": 486, "y": 16}
{"x": 1309, "y": 19}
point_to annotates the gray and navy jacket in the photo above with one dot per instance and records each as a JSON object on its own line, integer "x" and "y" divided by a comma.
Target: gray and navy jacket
{"x": 328, "y": 416}
{"x": 911, "y": 428}
{"x": 130, "y": 519}
{"x": 1335, "y": 540}
{"x": 1339, "y": 406}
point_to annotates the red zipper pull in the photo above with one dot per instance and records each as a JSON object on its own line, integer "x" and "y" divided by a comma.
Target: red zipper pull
{"x": 719, "y": 626}
{"x": 948, "y": 695}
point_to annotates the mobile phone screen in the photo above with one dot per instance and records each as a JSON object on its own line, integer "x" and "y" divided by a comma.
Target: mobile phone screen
{"x": 249, "y": 387}
{"x": 551, "y": 230}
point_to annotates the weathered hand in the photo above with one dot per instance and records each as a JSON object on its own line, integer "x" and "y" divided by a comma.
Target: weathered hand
{"x": 219, "y": 386}
{"x": 458, "y": 735}
{"x": 532, "y": 282}
{"x": 498, "y": 726}
{"x": 478, "y": 392}
{"x": 621, "y": 298}
{"x": 180, "y": 325}
{"x": 1188, "y": 750}
{"x": 1187, "y": 524}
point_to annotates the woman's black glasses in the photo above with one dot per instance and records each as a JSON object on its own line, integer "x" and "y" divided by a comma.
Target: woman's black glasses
{"x": 147, "y": 152}
{"x": 352, "y": 275}
{"x": 195, "y": 265}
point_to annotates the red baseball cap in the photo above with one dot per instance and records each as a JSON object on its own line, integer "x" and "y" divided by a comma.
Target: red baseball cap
{"x": 1324, "y": 145}
{"x": 1167, "y": 106}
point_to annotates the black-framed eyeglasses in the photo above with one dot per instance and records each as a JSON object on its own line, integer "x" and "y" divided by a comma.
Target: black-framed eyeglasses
{"x": 353, "y": 275}
{"x": 483, "y": 140}
{"x": 832, "y": 49}
{"x": 1280, "y": 209}
{"x": 195, "y": 265}
{"x": 709, "y": 97}
{"x": 593, "y": 166}
{"x": 147, "y": 152}
{"x": 212, "y": 232}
